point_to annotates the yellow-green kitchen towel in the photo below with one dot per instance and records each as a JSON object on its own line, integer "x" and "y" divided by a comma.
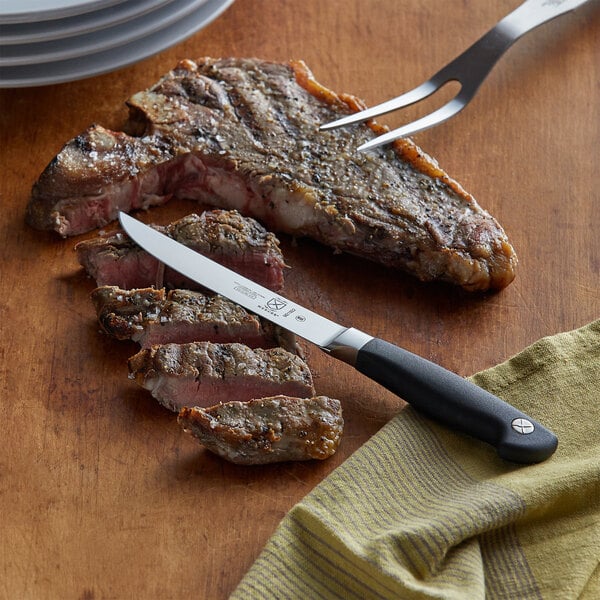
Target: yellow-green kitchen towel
{"x": 422, "y": 512}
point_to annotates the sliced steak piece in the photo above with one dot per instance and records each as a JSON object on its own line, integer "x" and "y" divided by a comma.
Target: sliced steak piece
{"x": 268, "y": 430}
{"x": 203, "y": 373}
{"x": 237, "y": 242}
{"x": 151, "y": 317}
{"x": 244, "y": 134}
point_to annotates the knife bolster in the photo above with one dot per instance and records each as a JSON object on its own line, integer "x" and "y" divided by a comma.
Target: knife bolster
{"x": 345, "y": 346}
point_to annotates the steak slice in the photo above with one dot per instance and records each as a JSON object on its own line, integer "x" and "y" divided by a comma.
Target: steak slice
{"x": 203, "y": 373}
{"x": 244, "y": 134}
{"x": 268, "y": 430}
{"x": 151, "y": 317}
{"x": 237, "y": 242}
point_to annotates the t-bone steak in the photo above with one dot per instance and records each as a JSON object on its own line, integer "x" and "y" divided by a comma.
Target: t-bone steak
{"x": 152, "y": 316}
{"x": 244, "y": 134}
{"x": 240, "y": 243}
{"x": 268, "y": 430}
{"x": 205, "y": 374}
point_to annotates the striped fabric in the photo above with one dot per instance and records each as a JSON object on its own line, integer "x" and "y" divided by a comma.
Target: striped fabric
{"x": 421, "y": 512}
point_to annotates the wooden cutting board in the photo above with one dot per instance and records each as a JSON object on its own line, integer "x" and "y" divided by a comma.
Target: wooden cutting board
{"x": 101, "y": 494}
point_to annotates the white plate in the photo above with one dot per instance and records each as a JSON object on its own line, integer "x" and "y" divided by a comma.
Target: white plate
{"x": 43, "y": 31}
{"x": 116, "y": 58}
{"x": 27, "y": 11}
{"x": 98, "y": 41}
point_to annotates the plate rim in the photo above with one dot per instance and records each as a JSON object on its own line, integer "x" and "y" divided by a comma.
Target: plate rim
{"x": 91, "y": 43}
{"x": 58, "y": 9}
{"x": 46, "y": 31}
{"x": 144, "y": 48}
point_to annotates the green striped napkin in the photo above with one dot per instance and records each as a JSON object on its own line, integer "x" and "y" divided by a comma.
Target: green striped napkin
{"x": 422, "y": 512}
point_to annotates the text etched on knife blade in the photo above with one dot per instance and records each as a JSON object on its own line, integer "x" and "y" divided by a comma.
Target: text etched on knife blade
{"x": 275, "y": 305}
{"x": 246, "y": 291}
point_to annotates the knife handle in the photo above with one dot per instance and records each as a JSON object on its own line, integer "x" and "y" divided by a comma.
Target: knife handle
{"x": 456, "y": 402}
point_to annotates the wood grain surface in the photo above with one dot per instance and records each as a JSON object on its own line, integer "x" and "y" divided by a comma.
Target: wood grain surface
{"x": 101, "y": 494}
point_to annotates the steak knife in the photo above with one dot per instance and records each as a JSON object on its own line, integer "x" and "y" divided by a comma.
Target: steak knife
{"x": 432, "y": 390}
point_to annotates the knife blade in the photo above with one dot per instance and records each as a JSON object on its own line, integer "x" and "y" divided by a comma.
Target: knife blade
{"x": 434, "y": 391}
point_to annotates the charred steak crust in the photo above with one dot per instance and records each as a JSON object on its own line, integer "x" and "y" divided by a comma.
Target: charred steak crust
{"x": 268, "y": 430}
{"x": 238, "y": 242}
{"x": 205, "y": 373}
{"x": 156, "y": 316}
{"x": 128, "y": 314}
{"x": 244, "y": 133}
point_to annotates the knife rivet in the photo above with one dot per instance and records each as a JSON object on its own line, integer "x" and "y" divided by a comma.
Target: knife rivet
{"x": 522, "y": 426}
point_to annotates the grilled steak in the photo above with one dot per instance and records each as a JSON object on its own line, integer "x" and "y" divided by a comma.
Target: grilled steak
{"x": 237, "y": 242}
{"x": 268, "y": 430}
{"x": 244, "y": 134}
{"x": 204, "y": 374}
{"x": 151, "y": 317}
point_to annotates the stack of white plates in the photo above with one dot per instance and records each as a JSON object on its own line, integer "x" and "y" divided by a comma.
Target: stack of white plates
{"x": 52, "y": 41}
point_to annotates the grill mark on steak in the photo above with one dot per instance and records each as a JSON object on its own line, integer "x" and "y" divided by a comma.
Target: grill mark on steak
{"x": 268, "y": 430}
{"x": 204, "y": 374}
{"x": 237, "y": 242}
{"x": 243, "y": 133}
{"x": 152, "y": 316}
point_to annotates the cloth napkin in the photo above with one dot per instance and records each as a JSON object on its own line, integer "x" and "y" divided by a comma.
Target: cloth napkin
{"x": 422, "y": 512}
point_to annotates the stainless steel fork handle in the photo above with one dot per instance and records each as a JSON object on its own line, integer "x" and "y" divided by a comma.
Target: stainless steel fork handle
{"x": 533, "y": 13}
{"x": 470, "y": 69}
{"x": 474, "y": 64}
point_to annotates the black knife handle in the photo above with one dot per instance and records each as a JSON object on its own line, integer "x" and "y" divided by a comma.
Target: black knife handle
{"x": 456, "y": 402}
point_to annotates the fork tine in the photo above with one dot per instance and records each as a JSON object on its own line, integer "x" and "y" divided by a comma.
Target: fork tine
{"x": 419, "y": 93}
{"x": 438, "y": 116}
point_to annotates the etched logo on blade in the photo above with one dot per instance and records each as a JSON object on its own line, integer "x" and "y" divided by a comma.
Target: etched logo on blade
{"x": 276, "y": 304}
{"x": 276, "y": 307}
